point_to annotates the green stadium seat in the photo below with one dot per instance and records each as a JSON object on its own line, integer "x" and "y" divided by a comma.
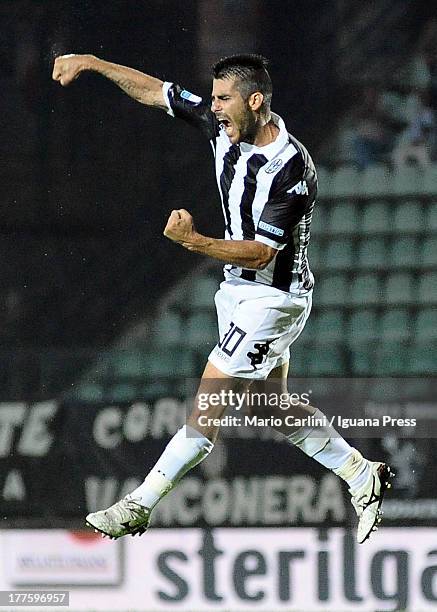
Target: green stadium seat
{"x": 377, "y": 218}
{"x": 300, "y": 356}
{"x": 429, "y": 181}
{"x": 426, "y": 324}
{"x": 431, "y": 222}
{"x": 329, "y": 325}
{"x": 132, "y": 363}
{"x": 362, "y": 358}
{"x": 375, "y": 181}
{"x": 427, "y": 292}
{"x": 372, "y": 253}
{"x": 395, "y": 325}
{"x": 89, "y": 392}
{"x": 171, "y": 363}
{"x": 422, "y": 358}
{"x": 363, "y": 325}
{"x": 201, "y": 328}
{"x": 343, "y": 218}
{"x": 403, "y": 252}
{"x": 123, "y": 392}
{"x": 331, "y": 290}
{"x": 409, "y": 180}
{"x": 399, "y": 289}
{"x": 338, "y": 254}
{"x": 201, "y": 293}
{"x": 365, "y": 289}
{"x": 429, "y": 252}
{"x": 326, "y": 360}
{"x": 167, "y": 328}
{"x": 409, "y": 217}
{"x": 344, "y": 182}
{"x": 391, "y": 358}
{"x": 324, "y": 182}
{"x": 315, "y": 254}
{"x": 317, "y": 220}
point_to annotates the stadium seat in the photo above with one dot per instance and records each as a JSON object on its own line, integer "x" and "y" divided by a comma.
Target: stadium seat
{"x": 377, "y": 217}
{"x": 431, "y": 222}
{"x": 344, "y": 182}
{"x": 317, "y": 220}
{"x": 372, "y": 253}
{"x": 343, "y": 218}
{"x": 326, "y": 360}
{"x": 201, "y": 328}
{"x": 422, "y": 358}
{"x": 375, "y": 181}
{"x": 429, "y": 181}
{"x": 338, "y": 254}
{"x": 391, "y": 358}
{"x": 132, "y": 363}
{"x": 365, "y": 289}
{"x": 395, "y": 325}
{"x": 429, "y": 252}
{"x": 167, "y": 328}
{"x": 363, "y": 325}
{"x": 171, "y": 363}
{"x": 331, "y": 290}
{"x": 201, "y": 293}
{"x": 403, "y": 252}
{"x": 427, "y": 292}
{"x": 324, "y": 182}
{"x": 399, "y": 289}
{"x": 315, "y": 256}
{"x": 426, "y": 324}
{"x": 329, "y": 325}
{"x": 408, "y": 217}
{"x": 408, "y": 181}
{"x": 362, "y": 358}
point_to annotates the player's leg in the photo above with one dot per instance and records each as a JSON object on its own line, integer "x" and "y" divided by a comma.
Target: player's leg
{"x": 188, "y": 447}
{"x": 367, "y": 480}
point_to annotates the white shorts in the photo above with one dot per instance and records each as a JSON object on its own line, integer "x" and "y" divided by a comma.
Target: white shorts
{"x": 257, "y": 324}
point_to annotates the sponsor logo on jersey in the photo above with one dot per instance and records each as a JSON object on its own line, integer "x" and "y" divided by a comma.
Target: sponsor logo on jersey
{"x": 274, "y": 166}
{"x": 301, "y": 188}
{"x": 271, "y": 228}
{"x": 190, "y": 97}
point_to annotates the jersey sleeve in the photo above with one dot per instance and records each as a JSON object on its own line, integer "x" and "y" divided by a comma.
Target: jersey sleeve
{"x": 291, "y": 195}
{"x": 192, "y": 108}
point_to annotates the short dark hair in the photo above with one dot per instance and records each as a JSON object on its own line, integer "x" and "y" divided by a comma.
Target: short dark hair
{"x": 250, "y": 70}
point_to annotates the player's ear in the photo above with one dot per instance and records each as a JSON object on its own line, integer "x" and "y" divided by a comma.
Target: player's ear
{"x": 256, "y": 100}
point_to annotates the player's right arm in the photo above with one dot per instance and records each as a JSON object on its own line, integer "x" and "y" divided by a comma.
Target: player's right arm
{"x": 142, "y": 87}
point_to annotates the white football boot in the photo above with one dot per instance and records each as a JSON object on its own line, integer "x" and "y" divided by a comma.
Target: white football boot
{"x": 367, "y": 500}
{"x": 125, "y": 517}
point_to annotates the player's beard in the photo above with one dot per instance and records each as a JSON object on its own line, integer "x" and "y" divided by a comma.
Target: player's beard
{"x": 247, "y": 127}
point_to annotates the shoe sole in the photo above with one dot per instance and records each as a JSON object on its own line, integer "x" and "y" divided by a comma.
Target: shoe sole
{"x": 385, "y": 475}
{"x": 137, "y": 531}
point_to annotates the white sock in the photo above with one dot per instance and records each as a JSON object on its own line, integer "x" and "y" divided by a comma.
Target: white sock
{"x": 324, "y": 444}
{"x": 180, "y": 455}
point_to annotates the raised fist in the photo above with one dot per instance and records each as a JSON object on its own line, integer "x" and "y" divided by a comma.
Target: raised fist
{"x": 68, "y": 67}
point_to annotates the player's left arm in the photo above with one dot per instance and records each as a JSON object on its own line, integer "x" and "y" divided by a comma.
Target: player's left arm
{"x": 244, "y": 253}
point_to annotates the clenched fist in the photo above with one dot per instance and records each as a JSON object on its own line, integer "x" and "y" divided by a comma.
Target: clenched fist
{"x": 180, "y": 227}
{"x": 68, "y": 67}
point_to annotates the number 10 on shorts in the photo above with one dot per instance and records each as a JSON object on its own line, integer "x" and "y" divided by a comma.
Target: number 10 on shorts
{"x": 231, "y": 340}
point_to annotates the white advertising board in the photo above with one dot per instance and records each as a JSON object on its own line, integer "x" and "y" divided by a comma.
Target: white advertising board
{"x": 230, "y": 569}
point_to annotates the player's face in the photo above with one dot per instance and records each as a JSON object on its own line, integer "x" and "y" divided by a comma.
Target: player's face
{"x": 233, "y": 111}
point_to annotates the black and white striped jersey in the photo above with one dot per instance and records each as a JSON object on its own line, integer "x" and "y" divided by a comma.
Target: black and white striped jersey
{"x": 267, "y": 193}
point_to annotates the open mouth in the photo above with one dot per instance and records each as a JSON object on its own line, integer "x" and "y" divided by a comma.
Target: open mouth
{"x": 225, "y": 123}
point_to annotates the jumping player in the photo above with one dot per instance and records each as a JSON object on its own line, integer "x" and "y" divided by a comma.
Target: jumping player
{"x": 268, "y": 185}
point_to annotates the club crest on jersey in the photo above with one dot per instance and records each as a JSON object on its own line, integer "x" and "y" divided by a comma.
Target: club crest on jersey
{"x": 301, "y": 188}
{"x": 190, "y": 97}
{"x": 274, "y": 166}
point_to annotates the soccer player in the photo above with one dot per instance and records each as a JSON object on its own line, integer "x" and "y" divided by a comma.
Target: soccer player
{"x": 268, "y": 184}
